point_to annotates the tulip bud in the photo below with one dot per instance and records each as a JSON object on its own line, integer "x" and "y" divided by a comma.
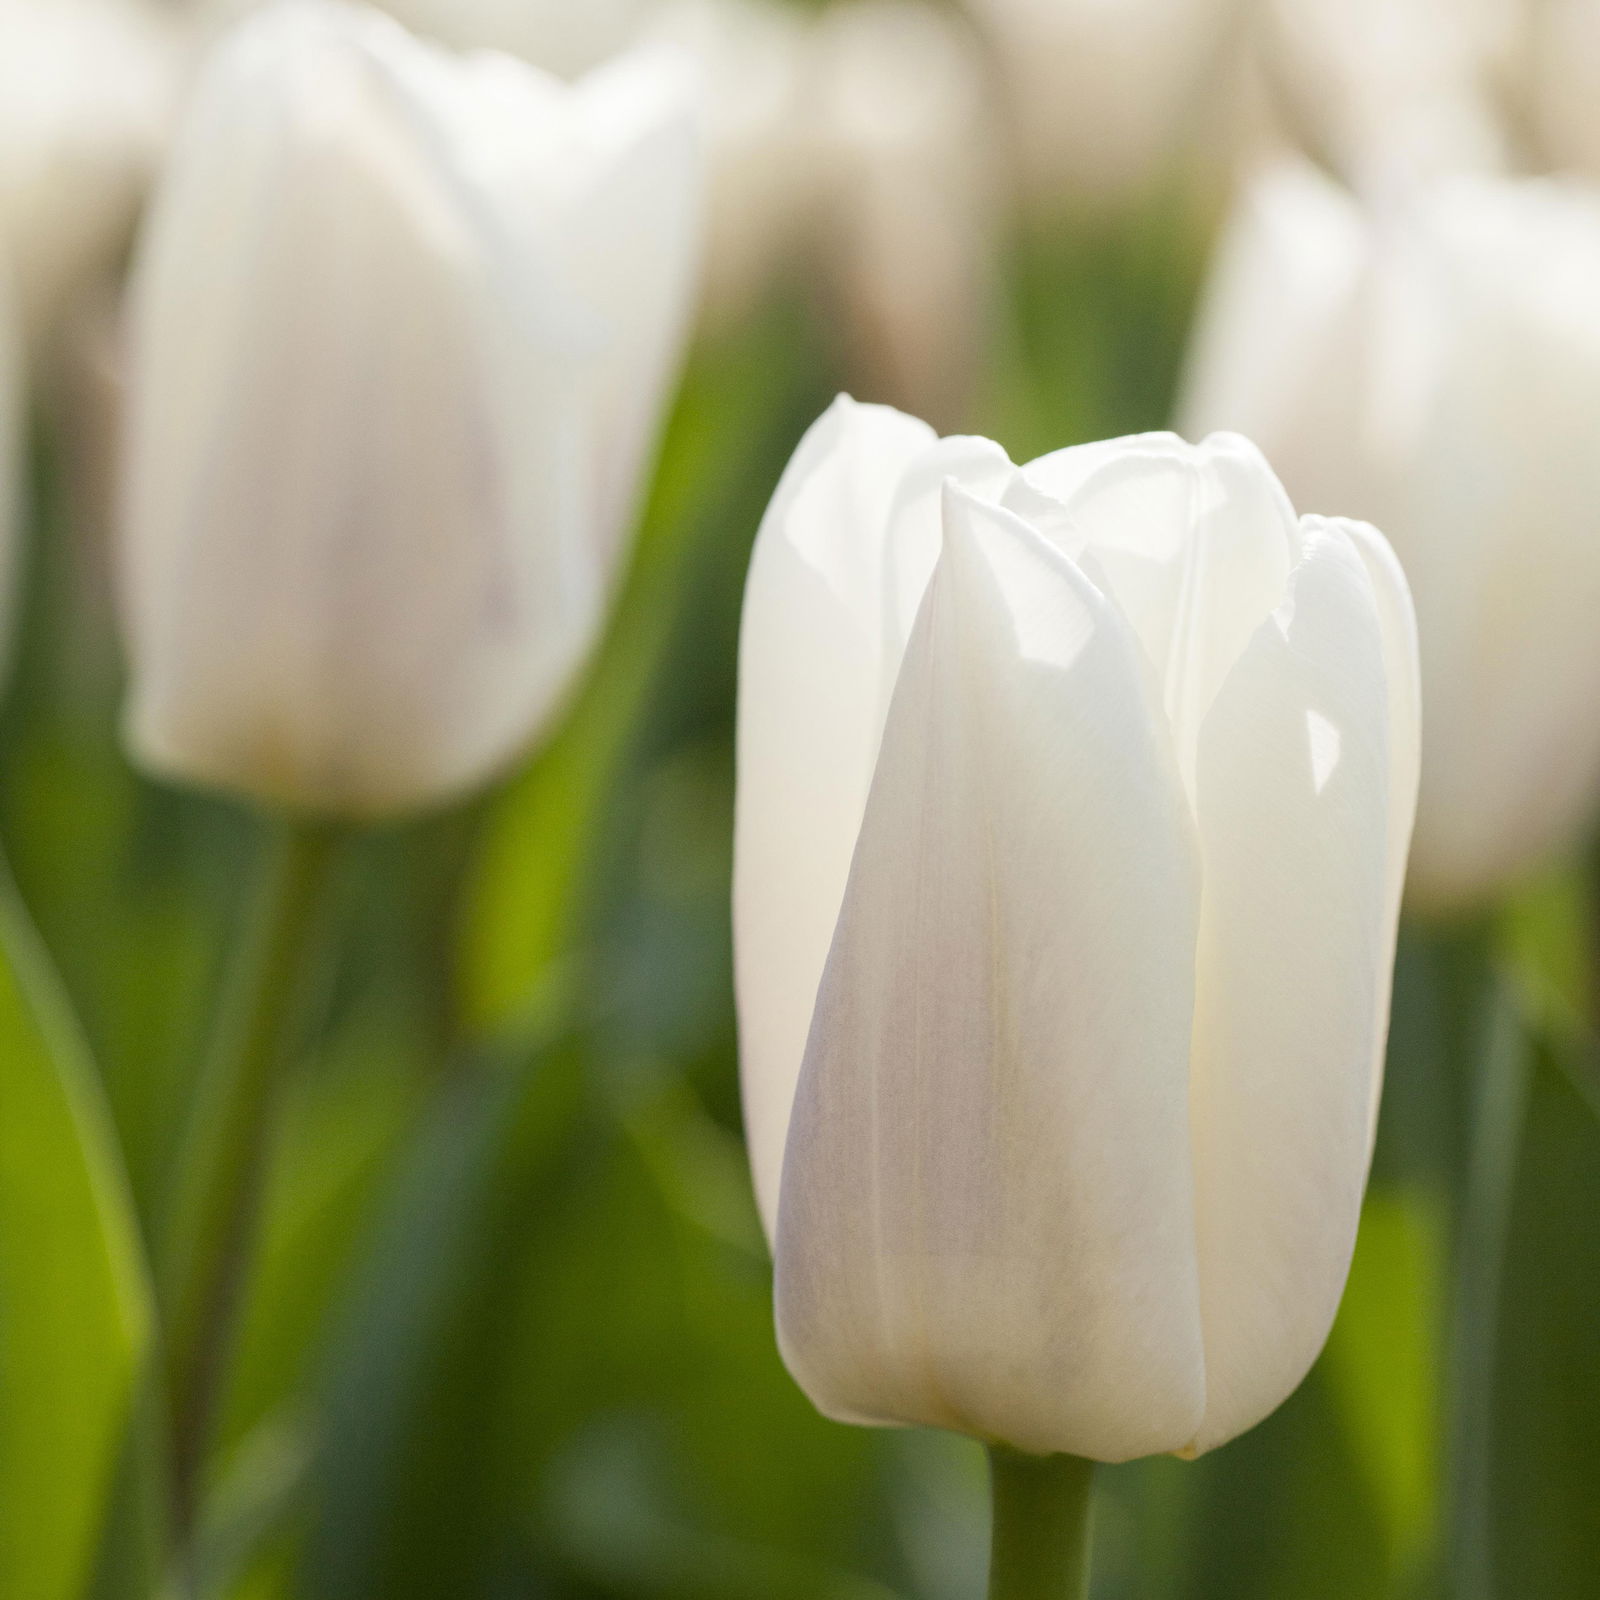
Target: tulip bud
{"x": 85, "y": 93}
{"x": 403, "y": 324}
{"x": 1437, "y": 369}
{"x": 1072, "y": 818}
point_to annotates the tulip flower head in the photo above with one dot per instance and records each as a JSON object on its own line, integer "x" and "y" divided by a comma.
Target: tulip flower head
{"x": 1435, "y": 366}
{"x": 403, "y": 323}
{"x": 1072, "y": 818}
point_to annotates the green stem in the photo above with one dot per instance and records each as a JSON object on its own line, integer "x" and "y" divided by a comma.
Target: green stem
{"x": 1040, "y": 1546}
{"x": 1499, "y": 1107}
{"x": 211, "y": 1228}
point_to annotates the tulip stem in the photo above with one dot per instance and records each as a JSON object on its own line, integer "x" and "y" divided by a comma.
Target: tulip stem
{"x": 1040, "y": 1544}
{"x": 1502, "y": 1076}
{"x": 209, "y": 1238}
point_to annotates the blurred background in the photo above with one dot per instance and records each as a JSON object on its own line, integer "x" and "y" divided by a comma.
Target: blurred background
{"x": 510, "y": 1334}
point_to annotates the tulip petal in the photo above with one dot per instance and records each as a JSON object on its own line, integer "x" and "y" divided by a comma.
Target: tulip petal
{"x": 916, "y": 528}
{"x": 1397, "y": 621}
{"x": 1194, "y": 542}
{"x": 1296, "y": 938}
{"x": 811, "y": 660}
{"x": 987, "y": 1205}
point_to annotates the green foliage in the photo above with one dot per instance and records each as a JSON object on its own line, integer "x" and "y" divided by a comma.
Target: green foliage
{"x": 508, "y": 1332}
{"x": 74, "y": 1302}
{"x": 1545, "y": 1420}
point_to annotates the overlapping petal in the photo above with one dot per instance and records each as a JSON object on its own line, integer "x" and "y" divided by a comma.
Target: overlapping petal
{"x": 1194, "y": 542}
{"x": 811, "y": 662}
{"x": 987, "y": 1217}
{"x": 1295, "y": 781}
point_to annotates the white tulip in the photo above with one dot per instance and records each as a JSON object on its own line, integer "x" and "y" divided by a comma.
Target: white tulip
{"x": 1388, "y": 88}
{"x": 86, "y": 89}
{"x": 1436, "y": 368}
{"x": 403, "y": 324}
{"x": 1562, "y": 85}
{"x": 909, "y": 178}
{"x": 1072, "y": 818}
{"x": 1102, "y": 94}
{"x": 757, "y": 58}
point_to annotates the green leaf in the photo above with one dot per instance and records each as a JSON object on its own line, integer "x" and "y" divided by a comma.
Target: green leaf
{"x": 74, "y": 1300}
{"x": 1381, "y": 1364}
{"x": 1545, "y": 1474}
{"x": 411, "y": 1383}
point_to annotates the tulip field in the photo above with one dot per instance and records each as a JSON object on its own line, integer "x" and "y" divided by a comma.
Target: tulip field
{"x": 800, "y": 800}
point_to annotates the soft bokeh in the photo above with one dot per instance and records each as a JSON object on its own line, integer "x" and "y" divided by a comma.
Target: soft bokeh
{"x": 509, "y": 1331}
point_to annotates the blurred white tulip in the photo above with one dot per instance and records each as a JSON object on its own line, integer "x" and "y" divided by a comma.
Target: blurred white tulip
{"x": 403, "y": 324}
{"x": 1437, "y": 368}
{"x": 566, "y": 37}
{"x": 559, "y": 35}
{"x": 1387, "y": 89}
{"x": 1103, "y": 93}
{"x": 1072, "y": 819}
{"x": 910, "y": 197}
{"x": 1562, "y": 85}
{"x": 86, "y": 93}
{"x": 757, "y": 60}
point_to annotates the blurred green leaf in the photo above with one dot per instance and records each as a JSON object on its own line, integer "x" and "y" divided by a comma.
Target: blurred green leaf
{"x": 74, "y": 1301}
{"x": 1544, "y": 1485}
{"x": 1382, "y": 1366}
{"x": 1286, "y": 1512}
{"x": 1549, "y": 933}
{"x": 404, "y": 1477}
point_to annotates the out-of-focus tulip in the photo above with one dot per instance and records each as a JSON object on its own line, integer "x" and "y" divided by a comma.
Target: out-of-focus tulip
{"x": 403, "y": 323}
{"x": 86, "y": 89}
{"x": 1072, "y": 819}
{"x": 909, "y": 186}
{"x": 1101, "y": 93}
{"x": 1387, "y": 89}
{"x": 1438, "y": 370}
{"x": 567, "y": 37}
{"x": 558, "y": 35}
{"x": 757, "y": 60}
{"x": 1562, "y": 82}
